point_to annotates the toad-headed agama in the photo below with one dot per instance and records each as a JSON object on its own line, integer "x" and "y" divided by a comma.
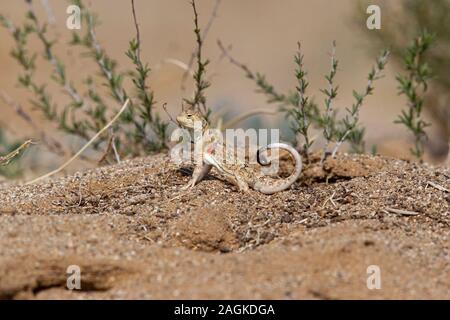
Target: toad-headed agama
{"x": 215, "y": 154}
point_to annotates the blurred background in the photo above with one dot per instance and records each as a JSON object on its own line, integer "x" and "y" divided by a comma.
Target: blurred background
{"x": 263, "y": 35}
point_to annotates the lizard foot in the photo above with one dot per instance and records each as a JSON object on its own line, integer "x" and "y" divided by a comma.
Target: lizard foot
{"x": 189, "y": 186}
{"x": 243, "y": 187}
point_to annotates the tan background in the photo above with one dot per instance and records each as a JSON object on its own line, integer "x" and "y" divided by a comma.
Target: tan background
{"x": 263, "y": 34}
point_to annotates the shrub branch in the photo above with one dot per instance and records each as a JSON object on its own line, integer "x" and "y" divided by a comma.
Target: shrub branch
{"x": 351, "y": 120}
{"x": 300, "y": 112}
{"x": 413, "y": 86}
{"x": 330, "y": 95}
{"x": 201, "y": 84}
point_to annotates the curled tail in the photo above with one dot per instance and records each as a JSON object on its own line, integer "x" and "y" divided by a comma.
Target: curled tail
{"x": 284, "y": 183}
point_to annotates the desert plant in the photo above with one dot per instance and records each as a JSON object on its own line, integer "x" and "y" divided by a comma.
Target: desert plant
{"x": 402, "y": 21}
{"x": 201, "y": 84}
{"x": 413, "y": 85}
{"x": 141, "y": 128}
{"x": 141, "y": 115}
{"x": 297, "y": 108}
{"x": 334, "y": 130}
{"x": 145, "y": 96}
{"x": 330, "y": 94}
{"x": 300, "y": 114}
{"x": 349, "y": 125}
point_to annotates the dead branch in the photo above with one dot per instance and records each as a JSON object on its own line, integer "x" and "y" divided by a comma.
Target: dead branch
{"x": 436, "y": 186}
{"x": 248, "y": 114}
{"x": 5, "y": 160}
{"x": 402, "y": 212}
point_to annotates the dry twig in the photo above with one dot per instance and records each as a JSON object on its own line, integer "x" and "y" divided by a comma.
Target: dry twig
{"x": 5, "y": 160}
{"x": 249, "y": 114}
{"x": 435, "y": 185}
{"x": 402, "y": 212}
{"x": 84, "y": 147}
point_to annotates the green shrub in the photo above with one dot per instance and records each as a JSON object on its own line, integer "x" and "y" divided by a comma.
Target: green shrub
{"x": 140, "y": 129}
{"x": 402, "y": 21}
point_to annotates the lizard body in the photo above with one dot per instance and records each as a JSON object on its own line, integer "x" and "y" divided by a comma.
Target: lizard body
{"x": 216, "y": 154}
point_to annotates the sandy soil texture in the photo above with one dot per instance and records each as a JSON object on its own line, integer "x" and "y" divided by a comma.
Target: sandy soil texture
{"x": 134, "y": 234}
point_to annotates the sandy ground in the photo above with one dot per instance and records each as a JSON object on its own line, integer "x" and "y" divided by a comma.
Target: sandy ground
{"x": 134, "y": 234}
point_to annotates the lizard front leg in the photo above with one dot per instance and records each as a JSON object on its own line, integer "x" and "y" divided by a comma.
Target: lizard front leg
{"x": 242, "y": 184}
{"x": 200, "y": 171}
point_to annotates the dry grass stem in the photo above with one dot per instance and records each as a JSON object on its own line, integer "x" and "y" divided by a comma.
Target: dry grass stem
{"x": 5, "y": 160}
{"x": 439, "y": 187}
{"x": 84, "y": 147}
{"x": 402, "y": 212}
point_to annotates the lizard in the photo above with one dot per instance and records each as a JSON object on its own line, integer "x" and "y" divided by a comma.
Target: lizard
{"x": 215, "y": 154}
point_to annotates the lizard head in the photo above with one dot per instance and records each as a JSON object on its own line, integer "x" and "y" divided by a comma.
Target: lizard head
{"x": 190, "y": 118}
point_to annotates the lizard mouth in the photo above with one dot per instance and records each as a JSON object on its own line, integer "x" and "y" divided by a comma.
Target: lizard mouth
{"x": 180, "y": 122}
